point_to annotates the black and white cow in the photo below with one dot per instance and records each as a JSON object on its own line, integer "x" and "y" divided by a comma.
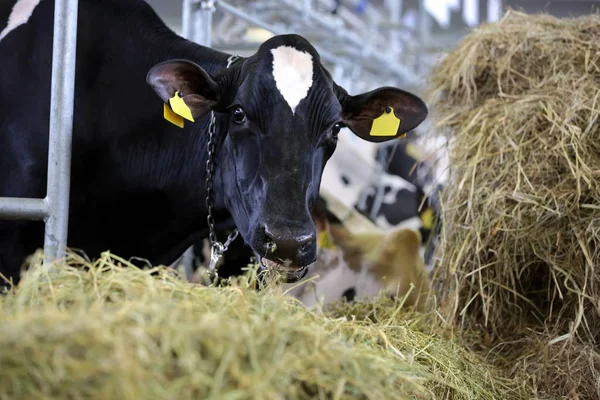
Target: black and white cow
{"x": 410, "y": 195}
{"x": 138, "y": 180}
{"x": 361, "y": 265}
{"x": 394, "y": 186}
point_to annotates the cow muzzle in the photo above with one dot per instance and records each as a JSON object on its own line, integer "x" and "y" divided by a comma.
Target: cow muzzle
{"x": 286, "y": 251}
{"x": 290, "y": 275}
{"x": 289, "y": 247}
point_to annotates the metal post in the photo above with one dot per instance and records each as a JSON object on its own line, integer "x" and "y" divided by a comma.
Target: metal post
{"x": 494, "y": 10}
{"x": 196, "y": 21}
{"x": 186, "y": 18}
{"x": 424, "y": 24}
{"x": 203, "y": 22}
{"x": 61, "y": 128}
{"x": 394, "y": 8}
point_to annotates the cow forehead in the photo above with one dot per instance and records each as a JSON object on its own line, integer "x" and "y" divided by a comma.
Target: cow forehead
{"x": 292, "y": 71}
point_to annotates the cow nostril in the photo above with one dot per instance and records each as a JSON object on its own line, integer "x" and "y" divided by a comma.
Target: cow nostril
{"x": 306, "y": 243}
{"x": 287, "y": 245}
{"x": 306, "y": 240}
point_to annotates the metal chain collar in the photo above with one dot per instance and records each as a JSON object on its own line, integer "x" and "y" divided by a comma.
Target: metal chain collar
{"x": 216, "y": 248}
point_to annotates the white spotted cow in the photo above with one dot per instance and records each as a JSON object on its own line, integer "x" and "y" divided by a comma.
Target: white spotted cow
{"x": 363, "y": 265}
{"x": 393, "y": 186}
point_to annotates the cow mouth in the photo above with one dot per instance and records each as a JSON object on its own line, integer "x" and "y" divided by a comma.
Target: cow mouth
{"x": 292, "y": 273}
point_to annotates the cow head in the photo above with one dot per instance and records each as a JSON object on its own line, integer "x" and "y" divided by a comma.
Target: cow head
{"x": 284, "y": 113}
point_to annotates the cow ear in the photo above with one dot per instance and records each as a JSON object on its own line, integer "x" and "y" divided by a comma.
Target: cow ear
{"x": 194, "y": 85}
{"x": 382, "y": 114}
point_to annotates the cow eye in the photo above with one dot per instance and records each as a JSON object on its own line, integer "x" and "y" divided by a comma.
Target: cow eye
{"x": 336, "y": 129}
{"x": 238, "y": 115}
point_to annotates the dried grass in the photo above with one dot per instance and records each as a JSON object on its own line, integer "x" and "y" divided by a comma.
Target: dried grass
{"x": 103, "y": 331}
{"x": 520, "y": 246}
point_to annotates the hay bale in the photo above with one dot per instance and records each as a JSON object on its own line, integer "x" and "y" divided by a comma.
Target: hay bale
{"x": 104, "y": 331}
{"x": 520, "y": 248}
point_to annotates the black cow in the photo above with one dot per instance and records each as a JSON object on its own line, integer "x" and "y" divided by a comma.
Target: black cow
{"x": 138, "y": 180}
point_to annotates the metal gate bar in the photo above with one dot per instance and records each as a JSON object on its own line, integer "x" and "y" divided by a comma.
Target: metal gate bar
{"x": 54, "y": 208}
{"x": 23, "y": 208}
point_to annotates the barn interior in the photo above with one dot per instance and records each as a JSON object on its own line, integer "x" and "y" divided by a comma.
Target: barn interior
{"x": 457, "y": 262}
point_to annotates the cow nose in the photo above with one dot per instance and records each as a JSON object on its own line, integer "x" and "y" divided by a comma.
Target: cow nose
{"x": 288, "y": 245}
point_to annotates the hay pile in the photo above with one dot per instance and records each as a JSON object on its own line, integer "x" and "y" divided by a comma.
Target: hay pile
{"x": 109, "y": 332}
{"x": 520, "y": 253}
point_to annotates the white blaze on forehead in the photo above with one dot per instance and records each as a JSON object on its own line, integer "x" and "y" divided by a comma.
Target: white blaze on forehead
{"x": 293, "y": 73}
{"x": 21, "y": 13}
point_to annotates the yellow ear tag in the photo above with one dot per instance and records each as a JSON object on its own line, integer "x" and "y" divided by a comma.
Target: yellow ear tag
{"x": 179, "y": 106}
{"x": 386, "y": 124}
{"x": 325, "y": 241}
{"x": 427, "y": 218}
{"x": 412, "y": 151}
{"x": 171, "y": 116}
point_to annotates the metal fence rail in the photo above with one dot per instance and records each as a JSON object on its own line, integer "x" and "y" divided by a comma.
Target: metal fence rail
{"x": 54, "y": 208}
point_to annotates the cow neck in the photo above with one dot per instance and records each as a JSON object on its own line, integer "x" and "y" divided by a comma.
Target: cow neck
{"x": 216, "y": 248}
